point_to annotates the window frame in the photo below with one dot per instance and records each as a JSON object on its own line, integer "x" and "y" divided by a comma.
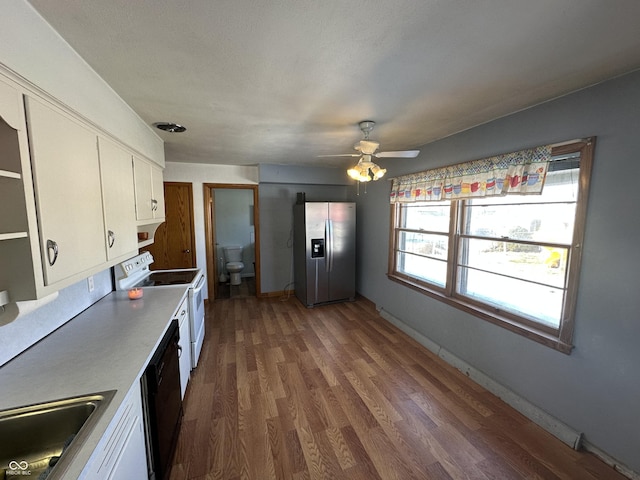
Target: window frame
{"x": 560, "y": 338}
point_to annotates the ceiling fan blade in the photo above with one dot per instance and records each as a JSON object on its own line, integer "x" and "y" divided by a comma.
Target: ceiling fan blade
{"x": 343, "y": 155}
{"x": 398, "y": 154}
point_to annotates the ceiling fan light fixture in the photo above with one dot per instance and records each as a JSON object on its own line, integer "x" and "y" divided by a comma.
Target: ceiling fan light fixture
{"x": 365, "y": 170}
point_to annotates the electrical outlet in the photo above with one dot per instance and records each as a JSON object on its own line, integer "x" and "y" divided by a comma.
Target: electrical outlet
{"x": 90, "y": 283}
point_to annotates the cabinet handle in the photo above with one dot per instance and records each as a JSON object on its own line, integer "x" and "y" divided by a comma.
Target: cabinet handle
{"x": 154, "y": 204}
{"x": 112, "y": 238}
{"x": 51, "y": 245}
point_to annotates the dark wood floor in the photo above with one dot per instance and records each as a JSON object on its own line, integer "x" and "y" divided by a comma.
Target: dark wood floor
{"x": 335, "y": 392}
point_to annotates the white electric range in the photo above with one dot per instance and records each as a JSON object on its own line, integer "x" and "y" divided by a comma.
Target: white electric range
{"x": 135, "y": 273}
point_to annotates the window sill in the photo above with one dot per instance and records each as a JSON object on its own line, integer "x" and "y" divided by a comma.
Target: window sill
{"x": 539, "y": 336}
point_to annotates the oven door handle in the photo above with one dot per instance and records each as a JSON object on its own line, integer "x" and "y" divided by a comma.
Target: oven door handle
{"x": 200, "y": 282}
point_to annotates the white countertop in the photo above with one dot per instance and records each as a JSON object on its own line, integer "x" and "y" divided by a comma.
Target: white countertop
{"x": 106, "y": 347}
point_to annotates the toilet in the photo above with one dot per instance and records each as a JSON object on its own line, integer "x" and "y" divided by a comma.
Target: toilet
{"x": 234, "y": 265}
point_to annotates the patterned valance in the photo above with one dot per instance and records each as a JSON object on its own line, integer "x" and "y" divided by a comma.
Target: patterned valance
{"x": 520, "y": 173}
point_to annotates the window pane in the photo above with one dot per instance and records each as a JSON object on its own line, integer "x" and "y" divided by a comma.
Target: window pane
{"x": 424, "y": 244}
{"x": 422, "y": 268}
{"x": 545, "y": 218}
{"x": 432, "y": 216}
{"x": 535, "y": 263}
{"x": 550, "y": 223}
{"x": 536, "y": 302}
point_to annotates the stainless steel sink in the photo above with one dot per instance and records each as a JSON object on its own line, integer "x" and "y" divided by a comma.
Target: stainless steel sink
{"x": 41, "y": 440}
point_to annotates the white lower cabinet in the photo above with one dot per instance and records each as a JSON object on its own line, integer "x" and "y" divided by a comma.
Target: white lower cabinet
{"x": 132, "y": 462}
{"x": 122, "y": 452}
{"x": 185, "y": 344}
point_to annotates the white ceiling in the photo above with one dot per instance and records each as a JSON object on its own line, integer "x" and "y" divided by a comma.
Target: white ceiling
{"x": 283, "y": 81}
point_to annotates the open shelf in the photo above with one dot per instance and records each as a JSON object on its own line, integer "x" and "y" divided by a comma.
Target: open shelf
{"x": 13, "y": 235}
{"x": 8, "y": 174}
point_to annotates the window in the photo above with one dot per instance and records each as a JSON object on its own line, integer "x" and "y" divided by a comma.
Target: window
{"x": 512, "y": 260}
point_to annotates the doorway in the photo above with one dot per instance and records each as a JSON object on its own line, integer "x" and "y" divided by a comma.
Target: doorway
{"x": 231, "y": 217}
{"x": 174, "y": 240}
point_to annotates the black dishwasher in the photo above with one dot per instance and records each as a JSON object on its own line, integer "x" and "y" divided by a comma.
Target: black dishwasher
{"x": 162, "y": 404}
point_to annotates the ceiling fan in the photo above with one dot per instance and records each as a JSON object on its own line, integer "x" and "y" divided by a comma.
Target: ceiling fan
{"x": 366, "y": 170}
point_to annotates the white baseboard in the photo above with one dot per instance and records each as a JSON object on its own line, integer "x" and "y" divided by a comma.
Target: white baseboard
{"x": 551, "y": 424}
{"x": 609, "y": 460}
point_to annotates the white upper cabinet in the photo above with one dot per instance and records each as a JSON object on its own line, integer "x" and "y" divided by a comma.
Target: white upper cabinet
{"x": 116, "y": 173}
{"x": 67, "y": 195}
{"x": 149, "y": 191}
{"x": 66, "y": 171}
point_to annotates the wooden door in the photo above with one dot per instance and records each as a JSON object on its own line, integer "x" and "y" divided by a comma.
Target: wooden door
{"x": 174, "y": 241}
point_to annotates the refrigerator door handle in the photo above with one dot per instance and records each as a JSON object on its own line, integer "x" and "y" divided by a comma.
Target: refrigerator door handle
{"x": 327, "y": 246}
{"x": 329, "y": 243}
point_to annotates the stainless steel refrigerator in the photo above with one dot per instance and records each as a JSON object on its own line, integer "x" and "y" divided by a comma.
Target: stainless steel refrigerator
{"x": 324, "y": 246}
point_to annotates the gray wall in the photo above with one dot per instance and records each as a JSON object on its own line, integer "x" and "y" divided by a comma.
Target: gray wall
{"x": 279, "y": 185}
{"x": 596, "y": 389}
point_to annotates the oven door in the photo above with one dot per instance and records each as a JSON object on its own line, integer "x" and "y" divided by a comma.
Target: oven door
{"x": 196, "y": 317}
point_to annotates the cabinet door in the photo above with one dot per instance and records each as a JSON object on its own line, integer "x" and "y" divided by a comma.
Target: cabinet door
{"x": 66, "y": 172}
{"x": 118, "y": 200}
{"x": 143, "y": 189}
{"x": 132, "y": 460}
{"x": 149, "y": 190}
{"x": 157, "y": 191}
{"x": 121, "y": 452}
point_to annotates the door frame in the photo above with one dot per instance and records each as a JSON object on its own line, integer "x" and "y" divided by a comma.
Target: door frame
{"x": 210, "y": 233}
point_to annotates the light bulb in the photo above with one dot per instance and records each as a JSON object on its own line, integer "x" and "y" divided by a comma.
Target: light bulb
{"x": 379, "y": 173}
{"x": 354, "y": 173}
